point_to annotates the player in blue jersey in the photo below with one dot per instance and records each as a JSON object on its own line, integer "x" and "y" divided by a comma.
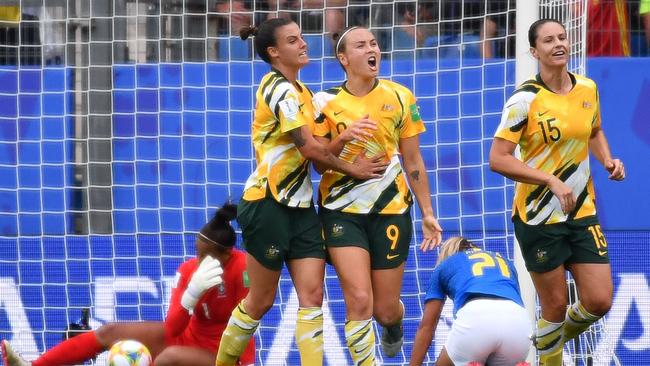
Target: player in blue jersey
{"x": 491, "y": 326}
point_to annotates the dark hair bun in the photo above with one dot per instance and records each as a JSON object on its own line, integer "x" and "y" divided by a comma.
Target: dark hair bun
{"x": 227, "y": 212}
{"x": 247, "y": 31}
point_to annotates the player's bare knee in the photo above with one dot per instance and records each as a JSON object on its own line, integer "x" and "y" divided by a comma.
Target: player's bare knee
{"x": 387, "y": 315}
{"x": 257, "y": 306}
{"x": 309, "y": 298}
{"x": 360, "y": 303}
{"x": 598, "y": 306}
{"x": 166, "y": 358}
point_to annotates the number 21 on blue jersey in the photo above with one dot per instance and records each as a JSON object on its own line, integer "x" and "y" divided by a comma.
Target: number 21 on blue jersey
{"x": 482, "y": 260}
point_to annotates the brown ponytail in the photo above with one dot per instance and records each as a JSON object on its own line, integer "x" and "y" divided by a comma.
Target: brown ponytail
{"x": 247, "y": 31}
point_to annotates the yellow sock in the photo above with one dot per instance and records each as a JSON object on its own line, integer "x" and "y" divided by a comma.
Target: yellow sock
{"x": 577, "y": 320}
{"x": 236, "y": 336}
{"x": 309, "y": 336}
{"x": 360, "y": 338}
{"x": 549, "y": 343}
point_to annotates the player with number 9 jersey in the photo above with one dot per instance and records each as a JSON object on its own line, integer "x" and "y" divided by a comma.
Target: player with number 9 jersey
{"x": 367, "y": 225}
{"x": 491, "y": 325}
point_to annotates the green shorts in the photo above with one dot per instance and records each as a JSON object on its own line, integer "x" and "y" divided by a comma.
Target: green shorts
{"x": 386, "y": 237}
{"x": 274, "y": 233}
{"x": 545, "y": 247}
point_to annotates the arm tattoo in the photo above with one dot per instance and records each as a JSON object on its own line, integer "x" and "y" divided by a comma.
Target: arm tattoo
{"x": 296, "y": 135}
{"x": 415, "y": 175}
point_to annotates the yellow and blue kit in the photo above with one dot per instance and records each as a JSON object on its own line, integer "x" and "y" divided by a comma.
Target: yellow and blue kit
{"x": 474, "y": 273}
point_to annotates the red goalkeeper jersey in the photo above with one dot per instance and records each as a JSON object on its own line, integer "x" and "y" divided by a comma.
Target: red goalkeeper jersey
{"x": 204, "y": 327}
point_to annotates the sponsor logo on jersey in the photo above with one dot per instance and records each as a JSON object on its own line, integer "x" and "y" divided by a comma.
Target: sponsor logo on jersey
{"x": 387, "y": 108}
{"x": 586, "y": 105}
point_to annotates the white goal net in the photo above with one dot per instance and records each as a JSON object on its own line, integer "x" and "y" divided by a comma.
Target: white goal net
{"x": 126, "y": 123}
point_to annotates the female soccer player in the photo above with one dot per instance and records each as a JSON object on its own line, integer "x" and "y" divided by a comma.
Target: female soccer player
{"x": 207, "y": 288}
{"x": 555, "y": 119}
{"x": 491, "y": 325}
{"x": 367, "y": 224}
{"x": 277, "y": 216}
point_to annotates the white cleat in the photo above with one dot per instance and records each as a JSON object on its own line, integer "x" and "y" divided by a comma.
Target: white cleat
{"x": 11, "y": 357}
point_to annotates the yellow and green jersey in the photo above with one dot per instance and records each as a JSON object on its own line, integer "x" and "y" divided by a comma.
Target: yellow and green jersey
{"x": 553, "y": 132}
{"x": 393, "y": 108}
{"x": 282, "y": 172}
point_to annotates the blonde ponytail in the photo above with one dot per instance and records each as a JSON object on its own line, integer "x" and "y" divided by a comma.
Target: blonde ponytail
{"x": 452, "y": 246}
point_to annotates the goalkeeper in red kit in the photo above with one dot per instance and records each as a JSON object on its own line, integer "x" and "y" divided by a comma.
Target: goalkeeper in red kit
{"x": 206, "y": 290}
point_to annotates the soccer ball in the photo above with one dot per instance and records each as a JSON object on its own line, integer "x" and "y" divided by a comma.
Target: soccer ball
{"x": 129, "y": 353}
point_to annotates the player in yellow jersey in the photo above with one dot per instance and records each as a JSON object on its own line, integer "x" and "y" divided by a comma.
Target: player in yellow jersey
{"x": 555, "y": 119}
{"x": 367, "y": 224}
{"x": 276, "y": 213}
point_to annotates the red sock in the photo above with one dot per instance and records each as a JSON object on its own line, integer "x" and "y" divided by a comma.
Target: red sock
{"x": 73, "y": 351}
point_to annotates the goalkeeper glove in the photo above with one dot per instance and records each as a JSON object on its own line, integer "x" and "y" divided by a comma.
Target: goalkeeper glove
{"x": 205, "y": 277}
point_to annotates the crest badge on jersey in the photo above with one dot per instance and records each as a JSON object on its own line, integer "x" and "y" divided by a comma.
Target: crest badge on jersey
{"x": 221, "y": 290}
{"x": 542, "y": 256}
{"x": 387, "y": 108}
{"x": 272, "y": 252}
{"x": 586, "y": 105}
{"x": 337, "y": 230}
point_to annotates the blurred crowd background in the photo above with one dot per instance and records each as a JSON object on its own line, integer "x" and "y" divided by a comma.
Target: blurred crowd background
{"x": 42, "y": 32}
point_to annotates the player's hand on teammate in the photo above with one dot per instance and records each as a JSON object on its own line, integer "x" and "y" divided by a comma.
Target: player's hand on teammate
{"x": 564, "y": 194}
{"x": 615, "y": 168}
{"x": 359, "y": 130}
{"x": 369, "y": 167}
{"x": 432, "y": 233}
{"x": 205, "y": 277}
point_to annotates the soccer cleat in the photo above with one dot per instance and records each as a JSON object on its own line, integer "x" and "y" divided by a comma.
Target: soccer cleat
{"x": 392, "y": 337}
{"x": 80, "y": 327}
{"x": 11, "y": 357}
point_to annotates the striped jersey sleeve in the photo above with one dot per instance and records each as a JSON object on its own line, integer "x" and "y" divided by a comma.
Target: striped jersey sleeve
{"x": 515, "y": 114}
